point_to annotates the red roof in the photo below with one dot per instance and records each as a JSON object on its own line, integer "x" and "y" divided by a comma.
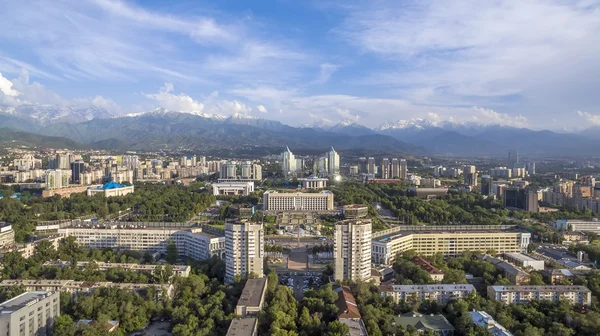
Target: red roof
{"x": 346, "y": 304}
{"x": 426, "y": 265}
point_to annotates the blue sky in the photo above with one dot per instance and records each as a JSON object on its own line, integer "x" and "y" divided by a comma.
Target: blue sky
{"x": 530, "y": 63}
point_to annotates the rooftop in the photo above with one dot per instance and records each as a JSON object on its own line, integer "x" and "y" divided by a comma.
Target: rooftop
{"x": 23, "y": 300}
{"x": 560, "y": 289}
{"x": 242, "y": 327}
{"x": 356, "y": 326}
{"x": 253, "y": 292}
{"x": 426, "y": 288}
{"x": 424, "y": 322}
{"x": 347, "y": 307}
{"x": 486, "y": 320}
{"x": 521, "y": 257}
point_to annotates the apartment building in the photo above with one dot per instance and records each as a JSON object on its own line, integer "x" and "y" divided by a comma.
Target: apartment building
{"x": 577, "y": 295}
{"x": 448, "y": 240}
{"x": 276, "y": 201}
{"x": 75, "y": 287}
{"x": 417, "y": 293}
{"x": 352, "y": 250}
{"x": 252, "y": 298}
{"x": 7, "y": 235}
{"x": 523, "y": 260}
{"x": 482, "y": 318}
{"x": 31, "y": 313}
{"x": 435, "y": 274}
{"x": 516, "y": 275}
{"x": 192, "y": 243}
{"x": 245, "y": 326}
{"x": 244, "y": 249}
{"x": 577, "y": 225}
{"x": 182, "y": 271}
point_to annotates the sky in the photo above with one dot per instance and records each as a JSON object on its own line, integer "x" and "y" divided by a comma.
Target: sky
{"x": 522, "y": 63}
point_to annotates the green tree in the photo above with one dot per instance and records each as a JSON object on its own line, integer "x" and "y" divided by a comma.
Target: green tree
{"x": 171, "y": 256}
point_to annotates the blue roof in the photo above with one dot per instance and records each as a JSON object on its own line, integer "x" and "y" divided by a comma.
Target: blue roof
{"x": 112, "y": 185}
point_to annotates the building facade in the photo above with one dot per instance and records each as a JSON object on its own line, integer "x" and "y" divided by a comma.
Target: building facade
{"x": 418, "y": 293}
{"x": 577, "y": 295}
{"x": 275, "y": 201}
{"x": 233, "y": 188}
{"x": 31, "y": 313}
{"x": 244, "y": 249}
{"x": 352, "y": 250}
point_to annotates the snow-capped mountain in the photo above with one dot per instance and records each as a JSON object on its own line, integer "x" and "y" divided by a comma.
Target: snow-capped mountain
{"x": 48, "y": 114}
{"x": 418, "y": 123}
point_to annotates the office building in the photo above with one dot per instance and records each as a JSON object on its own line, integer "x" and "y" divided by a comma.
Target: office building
{"x": 403, "y": 169}
{"x": 7, "y": 235}
{"x": 385, "y": 170}
{"x": 77, "y": 168}
{"x": 418, "y": 293}
{"x": 470, "y": 176}
{"x": 521, "y": 198}
{"x": 371, "y": 166}
{"x": 436, "y": 324}
{"x": 333, "y": 160}
{"x": 577, "y": 295}
{"x": 486, "y": 321}
{"x": 486, "y": 185}
{"x": 362, "y": 165}
{"x": 252, "y": 298}
{"x": 577, "y": 225}
{"x": 245, "y": 326}
{"x": 192, "y": 243}
{"x": 111, "y": 189}
{"x": 31, "y": 313}
{"x": 288, "y": 162}
{"x": 313, "y": 182}
{"x": 244, "y": 250}
{"x": 513, "y": 158}
{"x": 352, "y": 250}
{"x": 243, "y": 188}
{"x": 315, "y": 202}
{"x": 525, "y": 261}
{"x": 449, "y": 240}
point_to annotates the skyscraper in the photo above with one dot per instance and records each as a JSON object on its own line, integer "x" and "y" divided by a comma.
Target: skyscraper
{"x": 385, "y": 168}
{"x": 352, "y": 250}
{"x": 395, "y": 171}
{"x": 486, "y": 185}
{"x": 470, "y": 175}
{"x": 288, "y": 162}
{"x": 513, "y": 157}
{"x": 333, "y": 162}
{"x": 371, "y": 166}
{"x": 77, "y": 168}
{"x": 362, "y": 165}
{"x": 244, "y": 250}
{"x": 403, "y": 169}
{"x": 246, "y": 169}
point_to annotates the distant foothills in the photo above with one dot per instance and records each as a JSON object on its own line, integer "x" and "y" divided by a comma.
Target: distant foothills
{"x": 171, "y": 130}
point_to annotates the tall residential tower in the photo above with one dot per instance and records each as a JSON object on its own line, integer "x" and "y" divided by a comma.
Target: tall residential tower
{"x": 244, "y": 250}
{"x": 352, "y": 250}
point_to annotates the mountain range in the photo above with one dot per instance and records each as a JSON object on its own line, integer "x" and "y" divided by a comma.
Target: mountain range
{"x": 161, "y": 128}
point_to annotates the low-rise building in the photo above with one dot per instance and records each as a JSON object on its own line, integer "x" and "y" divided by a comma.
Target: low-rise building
{"x": 314, "y": 202}
{"x": 313, "y": 182}
{"x": 7, "y": 235}
{"x": 573, "y": 237}
{"x": 577, "y": 225}
{"x": 437, "y": 324}
{"x": 111, "y": 189}
{"x": 485, "y": 320}
{"x": 558, "y": 276}
{"x": 435, "y": 274}
{"x": 354, "y": 211}
{"x": 516, "y": 275}
{"x": 417, "y": 293}
{"x": 252, "y": 298}
{"x": 233, "y": 188}
{"x": 579, "y": 295}
{"x": 524, "y": 261}
{"x": 245, "y": 326}
{"x": 427, "y": 193}
{"x": 110, "y": 325}
{"x": 348, "y": 312}
{"x": 182, "y": 271}
{"x": 31, "y": 313}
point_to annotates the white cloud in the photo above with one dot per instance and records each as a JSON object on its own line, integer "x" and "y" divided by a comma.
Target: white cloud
{"x": 6, "y": 87}
{"x": 593, "y": 119}
{"x": 488, "y": 116}
{"x": 180, "y": 102}
{"x": 262, "y": 109}
{"x": 326, "y": 70}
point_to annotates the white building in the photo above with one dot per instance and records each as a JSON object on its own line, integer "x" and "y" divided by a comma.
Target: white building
{"x": 111, "y": 189}
{"x": 288, "y": 162}
{"x": 352, "y": 250}
{"x": 577, "y": 225}
{"x": 57, "y": 178}
{"x": 313, "y": 182}
{"x": 525, "y": 261}
{"x": 333, "y": 160}
{"x": 7, "y": 235}
{"x": 577, "y": 295}
{"x": 233, "y": 188}
{"x": 419, "y": 293}
{"x": 276, "y": 201}
{"x": 485, "y": 320}
{"x": 244, "y": 249}
{"x": 31, "y": 313}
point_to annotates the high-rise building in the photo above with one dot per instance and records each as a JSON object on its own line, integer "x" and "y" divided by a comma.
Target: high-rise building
{"x": 362, "y": 165}
{"x": 395, "y": 171}
{"x": 530, "y": 168}
{"x": 194, "y": 160}
{"x": 521, "y": 198}
{"x": 288, "y": 162}
{"x": 228, "y": 170}
{"x": 56, "y": 178}
{"x": 77, "y": 168}
{"x": 323, "y": 166}
{"x": 403, "y": 169}
{"x": 513, "y": 157}
{"x": 352, "y": 250}
{"x": 385, "y": 168}
{"x": 333, "y": 159}
{"x": 246, "y": 169}
{"x": 371, "y": 166}
{"x": 470, "y": 175}
{"x": 31, "y": 313}
{"x": 244, "y": 250}
{"x": 486, "y": 185}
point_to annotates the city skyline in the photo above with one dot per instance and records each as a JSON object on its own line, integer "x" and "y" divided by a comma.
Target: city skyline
{"x": 354, "y": 61}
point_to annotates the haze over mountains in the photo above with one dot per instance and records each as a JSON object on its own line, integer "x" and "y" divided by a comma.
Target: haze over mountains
{"x": 162, "y": 128}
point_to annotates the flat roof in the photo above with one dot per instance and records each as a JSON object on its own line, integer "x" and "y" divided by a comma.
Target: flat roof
{"x": 427, "y": 288}
{"x": 23, "y": 300}
{"x": 356, "y": 326}
{"x": 245, "y": 326}
{"x": 521, "y": 257}
{"x": 253, "y": 292}
{"x": 563, "y": 289}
